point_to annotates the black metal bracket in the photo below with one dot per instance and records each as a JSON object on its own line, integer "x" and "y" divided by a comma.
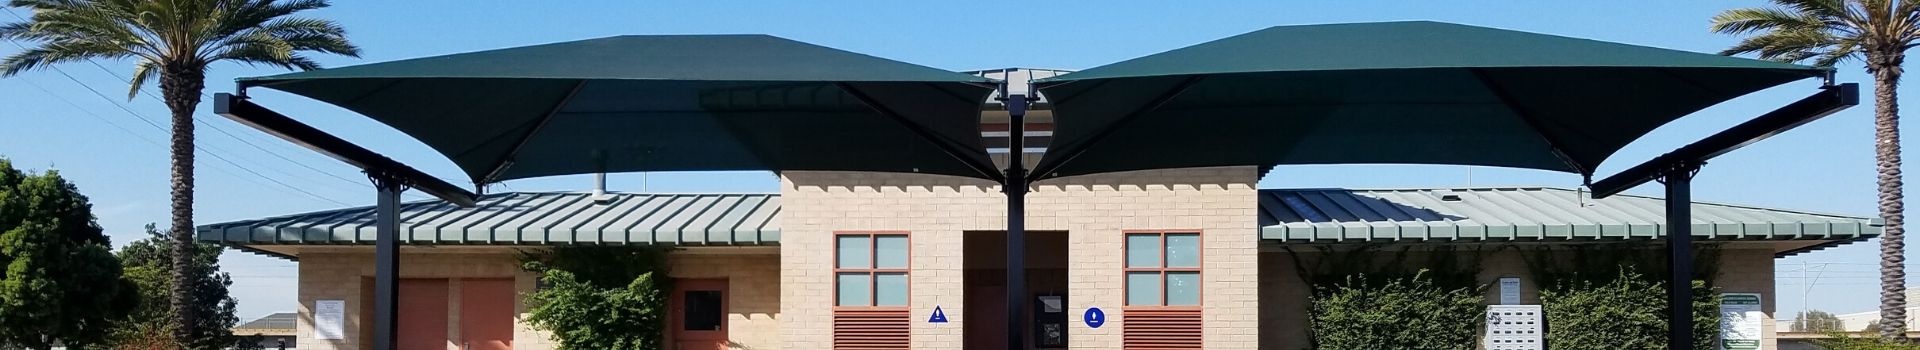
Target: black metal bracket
{"x": 266, "y": 120}
{"x": 1829, "y": 100}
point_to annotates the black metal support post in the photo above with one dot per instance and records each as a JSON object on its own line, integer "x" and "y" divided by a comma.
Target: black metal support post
{"x": 386, "y": 261}
{"x": 1016, "y": 188}
{"x": 1679, "y": 181}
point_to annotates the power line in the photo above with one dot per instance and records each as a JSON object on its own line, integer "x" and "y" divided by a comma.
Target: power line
{"x": 216, "y": 156}
{"x": 141, "y": 137}
{"x": 223, "y": 131}
{"x": 143, "y": 92}
{"x": 202, "y": 148}
{"x": 140, "y": 90}
{"x": 196, "y": 146}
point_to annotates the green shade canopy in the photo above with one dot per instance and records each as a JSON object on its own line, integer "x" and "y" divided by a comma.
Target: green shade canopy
{"x": 667, "y": 103}
{"x": 1400, "y": 92}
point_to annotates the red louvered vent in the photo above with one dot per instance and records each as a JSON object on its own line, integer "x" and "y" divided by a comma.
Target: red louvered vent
{"x": 871, "y": 329}
{"x": 1161, "y": 329}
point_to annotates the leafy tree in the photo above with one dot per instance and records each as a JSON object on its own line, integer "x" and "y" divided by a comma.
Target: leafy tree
{"x": 149, "y": 263}
{"x": 1816, "y": 321}
{"x": 175, "y": 40}
{"x": 601, "y": 297}
{"x": 61, "y": 284}
{"x": 1828, "y": 32}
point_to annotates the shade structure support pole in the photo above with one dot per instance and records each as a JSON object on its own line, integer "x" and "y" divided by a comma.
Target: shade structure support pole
{"x": 386, "y": 260}
{"x": 1679, "y": 182}
{"x": 1015, "y": 186}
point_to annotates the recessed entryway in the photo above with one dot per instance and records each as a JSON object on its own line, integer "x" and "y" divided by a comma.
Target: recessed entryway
{"x": 986, "y": 289}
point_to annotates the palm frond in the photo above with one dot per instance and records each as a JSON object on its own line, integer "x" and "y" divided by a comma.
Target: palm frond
{"x": 283, "y": 39}
{"x": 141, "y": 73}
{"x": 14, "y": 30}
{"x": 1749, "y": 20}
{"x": 1839, "y": 53}
{"x": 34, "y": 58}
{"x": 173, "y": 34}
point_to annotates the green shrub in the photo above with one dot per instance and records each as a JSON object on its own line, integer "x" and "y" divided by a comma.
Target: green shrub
{"x": 1409, "y": 312}
{"x": 601, "y": 297}
{"x": 1843, "y": 341}
{"x": 1626, "y": 311}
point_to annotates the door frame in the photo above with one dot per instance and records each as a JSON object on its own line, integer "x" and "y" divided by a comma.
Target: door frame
{"x": 676, "y": 306}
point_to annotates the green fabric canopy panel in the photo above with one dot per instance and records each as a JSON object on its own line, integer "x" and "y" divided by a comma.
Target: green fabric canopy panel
{"x": 667, "y": 103}
{"x": 1400, "y": 92}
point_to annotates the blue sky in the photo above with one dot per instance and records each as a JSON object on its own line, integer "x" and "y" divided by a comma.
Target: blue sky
{"x": 50, "y": 121}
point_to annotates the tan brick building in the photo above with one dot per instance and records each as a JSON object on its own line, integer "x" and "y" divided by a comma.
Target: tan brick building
{"x": 1195, "y": 258}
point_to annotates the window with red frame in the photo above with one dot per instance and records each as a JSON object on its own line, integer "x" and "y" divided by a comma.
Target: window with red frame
{"x": 1163, "y": 269}
{"x": 870, "y": 290}
{"x": 870, "y": 270}
{"x": 1162, "y": 291}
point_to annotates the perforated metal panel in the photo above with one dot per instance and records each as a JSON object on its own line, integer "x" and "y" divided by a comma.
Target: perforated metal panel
{"x": 1515, "y": 327}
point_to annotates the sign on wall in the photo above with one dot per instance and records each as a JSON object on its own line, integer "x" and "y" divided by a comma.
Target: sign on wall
{"x": 1094, "y": 317}
{"x": 1509, "y": 291}
{"x": 329, "y": 319}
{"x": 1515, "y": 327}
{"x": 1740, "y": 318}
{"x": 938, "y": 316}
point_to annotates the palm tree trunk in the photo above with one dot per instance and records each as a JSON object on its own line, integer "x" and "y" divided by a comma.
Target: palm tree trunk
{"x": 1886, "y": 131}
{"x": 181, "y": 87}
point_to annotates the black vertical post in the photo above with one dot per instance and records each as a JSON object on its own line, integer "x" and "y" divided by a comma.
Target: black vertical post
{"x": 386, "y": 262}
{"x": 1016, "y": 189}
{"x": 1678, "y": 180}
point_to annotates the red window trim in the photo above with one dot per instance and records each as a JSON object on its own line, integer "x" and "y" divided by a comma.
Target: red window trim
{"x": 873, "y": 285}
{"x": 1200, "y": 254}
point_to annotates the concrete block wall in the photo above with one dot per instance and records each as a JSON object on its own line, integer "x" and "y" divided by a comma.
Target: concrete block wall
{"x": 341, "y": 273}
{"x": 753, "y": 292}
{"x": 1093, "y": 210}
{"x": 1742, "y": 269}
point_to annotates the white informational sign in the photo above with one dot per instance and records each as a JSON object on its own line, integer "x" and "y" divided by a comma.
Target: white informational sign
{"x": 1740, "y": 318}
{"x": 1515, "y": 327}
{"x": 330, "y": 319}
{"x": 1509, "y": 291}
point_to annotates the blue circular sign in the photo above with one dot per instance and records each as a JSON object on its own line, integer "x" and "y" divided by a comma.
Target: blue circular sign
{"x": 1094, "y": 317}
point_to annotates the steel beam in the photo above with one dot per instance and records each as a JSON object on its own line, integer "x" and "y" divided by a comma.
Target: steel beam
{"x": 386, "y": 261}
{"x": 240, "y": 110}
{"x": 1676, "y": 170}
{"x": 1830, "y": 99}
{"x": 1016, "y": 188}
{"x": 1679, "y": 180}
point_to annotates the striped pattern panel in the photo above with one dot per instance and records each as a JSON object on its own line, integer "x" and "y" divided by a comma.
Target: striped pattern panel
{"x": 1146, "y": 329}
{"x": 871, "y": 329}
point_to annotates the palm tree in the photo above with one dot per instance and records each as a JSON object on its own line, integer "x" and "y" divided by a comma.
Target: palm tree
{"x": 1827, "y": 32}
{"x": 175, "y": 40}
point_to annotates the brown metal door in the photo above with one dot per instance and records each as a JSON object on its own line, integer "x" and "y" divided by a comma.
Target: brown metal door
{"x": 699, "y": 314}
{"x": 486, "y": 314}
{"x": 423, "y": 314}
{"x": 986, "y": 303}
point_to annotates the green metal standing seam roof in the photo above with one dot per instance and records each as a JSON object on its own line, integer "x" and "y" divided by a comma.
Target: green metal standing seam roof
{"x": 533, "y": 219}
{"x": 1523, "y": 214}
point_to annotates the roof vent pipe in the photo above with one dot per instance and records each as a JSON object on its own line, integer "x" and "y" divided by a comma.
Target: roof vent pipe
{"x": 600, "y": 188}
